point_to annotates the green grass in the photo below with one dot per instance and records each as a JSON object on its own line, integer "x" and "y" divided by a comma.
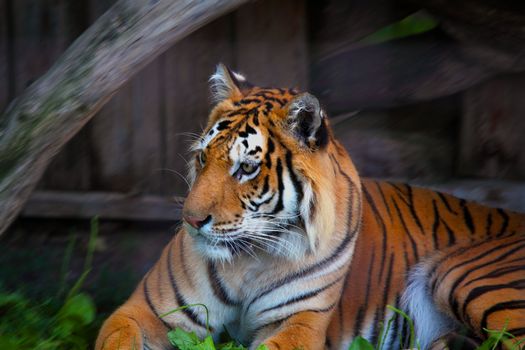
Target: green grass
{"x": 63, "y": 321}
{"x": 185, "y": 340}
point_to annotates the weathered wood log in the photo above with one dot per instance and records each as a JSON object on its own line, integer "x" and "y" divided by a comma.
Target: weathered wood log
{"x": 49, "y": 112}
{"x": 105, "y": 205}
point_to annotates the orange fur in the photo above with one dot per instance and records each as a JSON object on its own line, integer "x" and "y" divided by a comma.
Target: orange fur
{"x": 313, "y": 279}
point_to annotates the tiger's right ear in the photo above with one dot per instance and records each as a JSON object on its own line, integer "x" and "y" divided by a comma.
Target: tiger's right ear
{"x": 225, "y": 84}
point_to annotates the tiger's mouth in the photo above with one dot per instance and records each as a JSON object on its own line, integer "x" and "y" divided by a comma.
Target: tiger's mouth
{"x": 283, "y": 238}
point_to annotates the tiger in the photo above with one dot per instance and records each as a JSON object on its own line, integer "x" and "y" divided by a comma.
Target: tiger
{"x": 288, "y": 247}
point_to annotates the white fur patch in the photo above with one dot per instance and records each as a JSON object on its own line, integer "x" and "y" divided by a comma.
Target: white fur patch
{"x": 430, "y": 323}
{"x": 221, "y": 83}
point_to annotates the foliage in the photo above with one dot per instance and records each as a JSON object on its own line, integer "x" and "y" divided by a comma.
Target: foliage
{"x": 60, "y": 322}
{"x": 416, "y": 23}
{"x": 185, "y": 340}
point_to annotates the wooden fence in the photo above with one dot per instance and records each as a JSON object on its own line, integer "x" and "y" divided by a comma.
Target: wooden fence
{"x": 132, "y": 153}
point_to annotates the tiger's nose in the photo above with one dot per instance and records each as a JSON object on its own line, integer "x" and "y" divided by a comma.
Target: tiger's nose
{"x": 197, "y": 222}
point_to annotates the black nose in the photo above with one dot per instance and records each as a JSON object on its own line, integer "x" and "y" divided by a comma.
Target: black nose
{"x": 197, "y": 222}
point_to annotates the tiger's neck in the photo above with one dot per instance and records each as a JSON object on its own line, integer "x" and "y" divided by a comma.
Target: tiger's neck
{"x": 337, "y": 212}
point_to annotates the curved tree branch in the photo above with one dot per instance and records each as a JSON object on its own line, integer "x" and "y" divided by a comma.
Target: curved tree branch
{"x": 40, "y": 121}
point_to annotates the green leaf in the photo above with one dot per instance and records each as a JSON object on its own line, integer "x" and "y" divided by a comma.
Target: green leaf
{"x": 413, "y": 24}
{"x": 232, "y": 345}
{"x": 79, "y": 308}
{"x": 182, "y": 339}
{"x": 207, "y": 344}
{"x": 360, "y": 343}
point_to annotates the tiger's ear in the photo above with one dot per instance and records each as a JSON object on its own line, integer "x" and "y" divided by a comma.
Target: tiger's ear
{"x": 307, "y": 121}
{"x": 225, "y": 84}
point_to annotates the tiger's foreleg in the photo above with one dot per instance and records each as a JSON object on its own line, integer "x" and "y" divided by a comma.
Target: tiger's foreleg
{"x": 133, "y": 326}
{"x": 305, "y": 330}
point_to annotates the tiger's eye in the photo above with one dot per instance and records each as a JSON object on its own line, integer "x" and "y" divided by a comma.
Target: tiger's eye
{"x": 202, "y": 158}
{"x": 248, "y": 168}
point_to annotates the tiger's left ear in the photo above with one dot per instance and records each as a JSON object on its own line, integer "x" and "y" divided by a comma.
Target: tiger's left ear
{"x": 225, "y": 84}
{"x": 307, "y": 121}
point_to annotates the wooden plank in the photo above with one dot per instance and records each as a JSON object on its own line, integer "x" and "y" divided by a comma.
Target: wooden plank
{"x": 146, "y": 129}
{"x": 111, "y": 137}
{"x": 188, "y": 66}
{"x": 337, "y": 24}
{"x": 106, "y": 205}
{"x": 413, "y": 69}
{"x": 492, "y": 144}
{"x": 39, "y": 38}
{"x": 71, "y": 167}
{"x": 271, "y": 48}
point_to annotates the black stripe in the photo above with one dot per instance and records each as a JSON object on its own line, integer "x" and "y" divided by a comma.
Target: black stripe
{"x": 282, "y": 319}
{"x": 453, "y": 301}
{"x": 517, "y": 332}
{"x": 375, "y": 329}
{"x": 266, "y": 186}
{"x": 150, "y": 303}
{"x": 311, "y": 269}
{"x": 179, "y": 298}
{"x": 445, "y": 202}
{"x": 183, "y": 262}
{"x": 458, "y": 252}
{"x": 302, "y": 297}
{"x": 412, "y": 208}
{"x": 479, "y": 291}
{"x": 467, "y": 217}
{"x": 505, "y": 223}
{"x": 351, "y": 189}
{"x": 379, "y": 219}
{"x": 477, "y": 257}
{"x": 218, "y": 287}
{"x": 296, "y": 183}
{"x": 385, "y": 203}
{"x": 400, "y": 192}
{"x": 411, "y": 239}
{"x": 280, "y": 187}
{"x": 250, "y": 130}
{"x": 395, "y": 327}
{"x": 405, "y": 339}
{"x": 224, "y": 125}
{"x": 386, "y": 290}
{"x": 435, "y": 225}
{"x": 498, "y": 272}
{"x": 269, "y": 151}
{"x": 488, "y": 225}
{"x": 358, "y": 324}
{"x": 509, "y": 305}
{"x": 450, "y": 233}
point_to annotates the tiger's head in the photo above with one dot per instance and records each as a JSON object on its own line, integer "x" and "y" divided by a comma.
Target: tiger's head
{"x": 262, "y": 174}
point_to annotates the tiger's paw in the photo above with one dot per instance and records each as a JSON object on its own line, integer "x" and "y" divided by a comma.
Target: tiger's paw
{"x": 123, "y": 335}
